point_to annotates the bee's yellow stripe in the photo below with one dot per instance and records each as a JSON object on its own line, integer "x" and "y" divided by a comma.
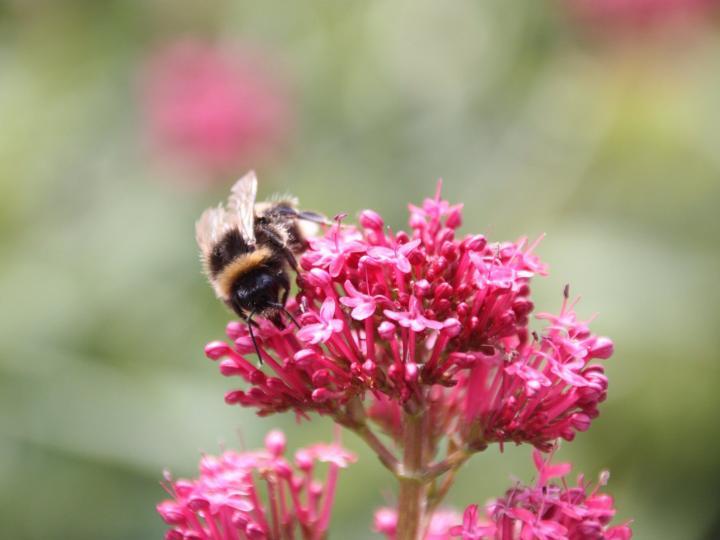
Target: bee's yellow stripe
{"x": 242, "y": 264}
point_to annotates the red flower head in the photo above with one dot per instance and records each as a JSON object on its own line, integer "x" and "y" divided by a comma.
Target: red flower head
{"x": 546, "y": 511}
{"x": 256, "y": 495}
{"x": 424, "y": 320}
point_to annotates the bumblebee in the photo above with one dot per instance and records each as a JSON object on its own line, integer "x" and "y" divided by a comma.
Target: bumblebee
{"x": 248, "y": 250}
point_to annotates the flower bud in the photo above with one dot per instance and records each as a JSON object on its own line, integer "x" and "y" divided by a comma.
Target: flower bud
{"x": 275, "y": 442}
{"x": 421, "y": 287}
{"x": 411, "y": 372}
{"x": 401, "y": 237}
{"x": 386, "y": 330}
{"x": 321, "y": 378}
{"x": 216, "y": 350}
{"x": 475, "y": 243}
{"x": 452, "y": 327}
{"x": 417, "y": 221}
{"x": 321, "y": 395}
{"x": 371, "y": 220}
{"x": 454, "y": 219}
{"x": 603, "y": 348}
{"x": 258, "y": 377}
{"x": 369, "y": 367}
{"x": 234, "y": 396}
{"x": 228, "y": 368}
{"x": 318, "y": 278}
{"x": 235, "y": 329}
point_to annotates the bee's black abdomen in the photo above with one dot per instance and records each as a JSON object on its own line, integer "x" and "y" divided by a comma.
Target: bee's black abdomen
{"x": 226, "y": 250}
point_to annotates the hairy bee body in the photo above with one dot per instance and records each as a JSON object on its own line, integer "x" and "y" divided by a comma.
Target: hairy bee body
{"x": 249, "y": 250}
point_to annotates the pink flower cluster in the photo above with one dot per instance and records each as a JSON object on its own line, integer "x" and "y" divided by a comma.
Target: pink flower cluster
{"x": 546, "y": 511}
{"x": 256, "y": 495}
{"x": 547, "y": 389}
{"x": 425, "y": 320}
{"x": 535, "y": 393}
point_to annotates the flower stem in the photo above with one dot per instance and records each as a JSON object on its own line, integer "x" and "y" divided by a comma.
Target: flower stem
{"x": 353, "y": 418}
{"x": 385, "y": 456}
{"x": 438, "y": 493}
{"x": 450, "y": 463}
{"x": 411, "y": 501}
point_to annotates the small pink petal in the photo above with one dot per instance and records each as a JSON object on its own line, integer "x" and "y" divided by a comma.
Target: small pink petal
{"x": 363, "y": 311}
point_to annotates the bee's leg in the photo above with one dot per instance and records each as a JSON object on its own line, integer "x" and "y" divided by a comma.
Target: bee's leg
{"x": 282, "y": 308}
{"x": 250, "y": 324}
{"x": 277, "y": 320}
{"x": 276, "y": 241}
{"x": 289, "y": 257}
{"x": 290, "y": 316}
{"x": 285, "y": 284}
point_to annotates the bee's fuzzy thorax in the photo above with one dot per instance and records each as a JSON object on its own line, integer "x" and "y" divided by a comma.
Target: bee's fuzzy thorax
{"x": 226, "y": 278}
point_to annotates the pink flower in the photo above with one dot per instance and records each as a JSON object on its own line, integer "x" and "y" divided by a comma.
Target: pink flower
{"x": 546, "y": 511}
{"x": 363, "y": 305}
{"x": 395, "y": 256}
{"x": 215, "y": 107}
{"x": 330, "y": 252}
{"x": 255, "y": 495}
{"x": 326, "y": 326}
{"x": 413, "y": 319}
{"x": 472, "y": 528}
{"x": 424, "y": 320}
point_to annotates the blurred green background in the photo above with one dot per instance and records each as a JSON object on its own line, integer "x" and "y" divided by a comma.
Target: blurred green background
{"x": 538, "y": 120}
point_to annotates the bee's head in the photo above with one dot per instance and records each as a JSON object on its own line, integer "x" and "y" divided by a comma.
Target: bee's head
{"x": 257, "y": 291}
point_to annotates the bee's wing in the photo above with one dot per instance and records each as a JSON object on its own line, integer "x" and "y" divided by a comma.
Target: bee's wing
{"x": 210, "y": 228}
{"x": 214, "y": 223}
{"x": 242, "y": 204}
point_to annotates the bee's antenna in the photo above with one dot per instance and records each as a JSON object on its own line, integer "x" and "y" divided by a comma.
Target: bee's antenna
{"x": 314, "y": 217}
{"x": 250, "y": 323}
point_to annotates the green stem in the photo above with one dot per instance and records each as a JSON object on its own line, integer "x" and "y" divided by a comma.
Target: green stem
{"x": 411, "y": 503}
{"x": 354, "y": 419}
{"x": 439, "y": 493}
{"x": 385, "y": 456}
{"x": 450, "y": 463}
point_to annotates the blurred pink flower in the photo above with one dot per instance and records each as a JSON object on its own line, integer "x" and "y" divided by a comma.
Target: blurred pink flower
{"x": 639, "y": 15}
{"x": 256, "y": 495}
{"x": 546, "y": 511}
{"x": 215, "y": 108}
{"x": 385, "y": 522}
